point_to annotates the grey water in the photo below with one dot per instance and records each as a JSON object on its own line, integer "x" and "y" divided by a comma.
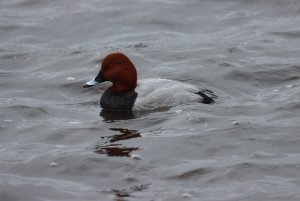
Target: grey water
{"x": 56, "y": 144}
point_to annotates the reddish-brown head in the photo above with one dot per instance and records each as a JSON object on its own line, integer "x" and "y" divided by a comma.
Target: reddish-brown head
{"x": 117, "y": 68}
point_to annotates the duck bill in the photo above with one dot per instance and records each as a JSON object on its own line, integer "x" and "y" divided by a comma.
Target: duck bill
{"x": 90, "y": 83}
{"x": 94, "y": 82}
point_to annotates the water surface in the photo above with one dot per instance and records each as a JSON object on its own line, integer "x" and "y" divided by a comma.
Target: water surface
{"x": 56, "y": 144}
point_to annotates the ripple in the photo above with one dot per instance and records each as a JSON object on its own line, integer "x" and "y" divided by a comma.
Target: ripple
{"x": 295, "y": 34}
{"x": 266, "y": 77}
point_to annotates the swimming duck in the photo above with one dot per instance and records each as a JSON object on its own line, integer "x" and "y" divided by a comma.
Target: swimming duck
{"x": 128, "y": 94}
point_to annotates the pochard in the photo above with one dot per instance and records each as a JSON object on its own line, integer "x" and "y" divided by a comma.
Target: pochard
{"x": 128, "y": 94}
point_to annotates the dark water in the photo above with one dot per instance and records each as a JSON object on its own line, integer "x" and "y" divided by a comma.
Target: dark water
{"x": 55, "y": 144}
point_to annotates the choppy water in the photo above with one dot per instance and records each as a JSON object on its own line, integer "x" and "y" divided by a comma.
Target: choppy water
{"x": 55, "y": 144}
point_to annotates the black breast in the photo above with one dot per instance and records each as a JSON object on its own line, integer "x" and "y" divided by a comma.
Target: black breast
{"x": 118, "y": 101}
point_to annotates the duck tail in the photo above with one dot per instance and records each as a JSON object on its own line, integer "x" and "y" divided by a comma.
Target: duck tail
{"x": 208, "y": 96}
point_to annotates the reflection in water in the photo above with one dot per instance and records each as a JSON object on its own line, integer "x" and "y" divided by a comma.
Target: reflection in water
{"x": 121, "y": 193}
{"x": 106, "y": 145}
{"x": 110, "y": 116}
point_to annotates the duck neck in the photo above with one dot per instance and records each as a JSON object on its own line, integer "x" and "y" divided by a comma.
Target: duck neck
{"x": 121, "y": 87}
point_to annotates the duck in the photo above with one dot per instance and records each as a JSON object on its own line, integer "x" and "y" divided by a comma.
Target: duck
{"x": 127, "y": 93}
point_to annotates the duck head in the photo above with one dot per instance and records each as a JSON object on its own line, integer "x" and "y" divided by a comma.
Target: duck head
{"x": 118, "y": 69}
